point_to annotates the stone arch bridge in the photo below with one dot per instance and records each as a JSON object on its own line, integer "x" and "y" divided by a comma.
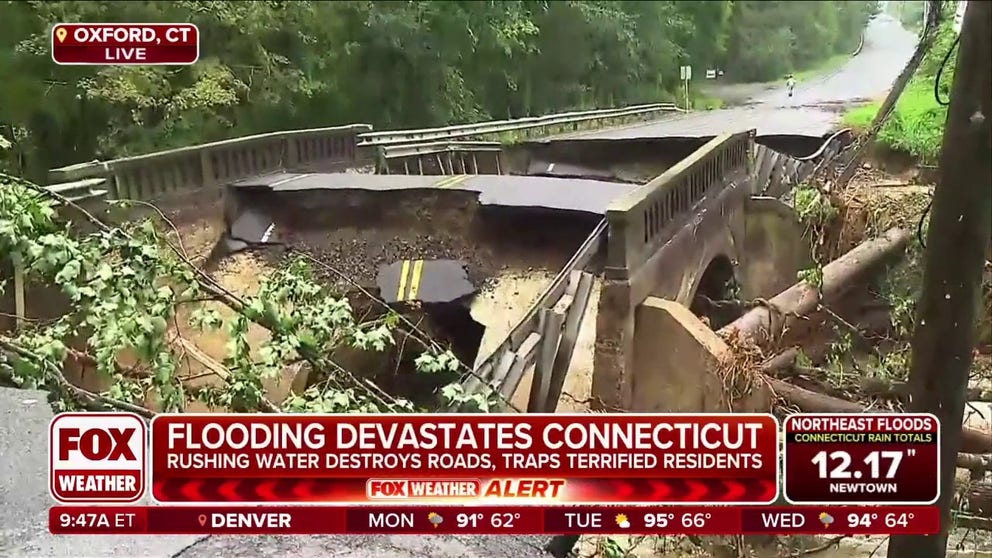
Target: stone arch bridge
{"x": 708, "y": 222}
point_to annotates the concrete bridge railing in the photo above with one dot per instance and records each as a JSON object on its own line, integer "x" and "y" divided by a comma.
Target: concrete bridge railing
{"x": 644, "y": 219}
{"x": 186, "y": 170}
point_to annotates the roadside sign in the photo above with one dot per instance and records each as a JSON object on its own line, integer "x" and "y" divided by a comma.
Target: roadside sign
{"x": 685, "y": 73}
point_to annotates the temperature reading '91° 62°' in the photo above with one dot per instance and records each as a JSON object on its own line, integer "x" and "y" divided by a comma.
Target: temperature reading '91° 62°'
{"x": 495, "y": 520}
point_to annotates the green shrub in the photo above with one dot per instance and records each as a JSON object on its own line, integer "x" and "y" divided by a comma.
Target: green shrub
{"x": 916, "y": 126}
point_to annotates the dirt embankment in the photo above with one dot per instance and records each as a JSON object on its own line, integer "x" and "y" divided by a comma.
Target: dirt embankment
{"x": 510, "y": 256}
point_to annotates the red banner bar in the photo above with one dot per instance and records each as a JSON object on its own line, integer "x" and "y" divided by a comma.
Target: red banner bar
{"x": 471, "y": 459}
{"x": 467, "y": 520}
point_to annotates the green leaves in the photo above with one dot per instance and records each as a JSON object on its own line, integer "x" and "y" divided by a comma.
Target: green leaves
{"x": 279, "y": 65}
{"x": 770, "y": 38}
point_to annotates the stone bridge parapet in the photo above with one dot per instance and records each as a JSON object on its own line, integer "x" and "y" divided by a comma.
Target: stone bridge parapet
{"x": 190, "y": 173}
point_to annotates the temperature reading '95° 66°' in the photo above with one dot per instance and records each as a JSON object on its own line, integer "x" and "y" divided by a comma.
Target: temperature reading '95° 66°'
{"x": 837, "y": 464}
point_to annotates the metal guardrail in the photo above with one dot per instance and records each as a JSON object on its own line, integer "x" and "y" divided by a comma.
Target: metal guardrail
{"x": 441, "y": 157}
{"x": 498, "y": 126}
{"x": 414, "y": 149}
{"x": 80, "y": 190}
{"x": 776, "y": 173}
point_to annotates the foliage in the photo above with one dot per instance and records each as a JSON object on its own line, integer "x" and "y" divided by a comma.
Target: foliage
{"x": 123, "y": 287}
{"x": 276, "y": 65}
{"x": 916, "y": 126}
{"x": 769, "y": 38}
{"x": 909, "y": 12}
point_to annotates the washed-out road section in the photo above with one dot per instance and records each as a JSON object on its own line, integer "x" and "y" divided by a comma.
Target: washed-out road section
{"x": 814, "y": 110}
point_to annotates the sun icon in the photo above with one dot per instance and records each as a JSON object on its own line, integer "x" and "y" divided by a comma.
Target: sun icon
{"x": 622, "y": 521}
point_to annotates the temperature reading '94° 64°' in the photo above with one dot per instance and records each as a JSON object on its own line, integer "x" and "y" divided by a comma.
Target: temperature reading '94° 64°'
{"x": 870, "y": 520}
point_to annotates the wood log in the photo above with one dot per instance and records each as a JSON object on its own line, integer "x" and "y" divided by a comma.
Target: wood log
{"x": 874, "y": 322}
{"x": 979, "y": 463}
{"x": 972, "y": 522}
{"x": 887, "y": 389}
{"x": 760, "y": 324}
{"x": 765, "y": 322}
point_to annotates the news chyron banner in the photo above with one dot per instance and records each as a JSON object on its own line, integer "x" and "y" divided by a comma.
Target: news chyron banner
{"x": 125, "y": 44}
{"x": 568, "y": 459}
{"x": 418, "y": 459}
{"x": 493, "y": 474}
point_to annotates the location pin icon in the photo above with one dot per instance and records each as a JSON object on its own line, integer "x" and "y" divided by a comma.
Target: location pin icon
{"x": 60, "y": 33}
{"x": 202, "y": 519}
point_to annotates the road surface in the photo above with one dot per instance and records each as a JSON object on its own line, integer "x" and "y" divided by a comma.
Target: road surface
{"x": 815, "y": 108}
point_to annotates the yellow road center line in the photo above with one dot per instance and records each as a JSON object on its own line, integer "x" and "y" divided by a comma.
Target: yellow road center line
{"x": 415, "y": 276}
{"x": 444, "y": 182}
{"x": 457, "y": 179}
{"x": 404, "y": 270}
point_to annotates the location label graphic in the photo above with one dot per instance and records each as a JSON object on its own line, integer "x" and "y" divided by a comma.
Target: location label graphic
{"x": 106, "y": 44}
{"x": 862, "y": 459}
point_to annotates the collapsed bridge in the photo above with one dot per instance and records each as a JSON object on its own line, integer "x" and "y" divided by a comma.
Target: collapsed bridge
{"x": 510, "y": 263}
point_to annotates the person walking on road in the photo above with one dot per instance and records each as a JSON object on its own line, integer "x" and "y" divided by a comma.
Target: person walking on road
{"x": 790, "y": 84}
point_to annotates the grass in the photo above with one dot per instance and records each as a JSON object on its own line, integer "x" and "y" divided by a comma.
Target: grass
{"x": 916, "y": 126}
{"x": 703, "y": 102}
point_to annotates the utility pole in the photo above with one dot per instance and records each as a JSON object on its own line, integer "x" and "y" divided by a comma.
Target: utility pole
{"x": 957, "y": 245}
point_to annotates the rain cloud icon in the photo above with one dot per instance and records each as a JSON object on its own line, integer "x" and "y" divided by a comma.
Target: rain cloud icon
{"x": 826, "y": 519}
{"x": 435, "y": 519}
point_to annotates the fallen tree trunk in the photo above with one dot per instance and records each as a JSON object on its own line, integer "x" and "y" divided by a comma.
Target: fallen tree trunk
{"x": 900, "y": 391}
{"x": 876, "y": 322}
{"x": 975, "y": 499}
{"x": 977, "y": 463}
{"x": 766, "y": 322}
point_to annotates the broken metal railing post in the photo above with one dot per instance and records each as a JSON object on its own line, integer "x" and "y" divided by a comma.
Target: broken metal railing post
{"x": 569, "y": 336}
{"x": 550, "y": 335}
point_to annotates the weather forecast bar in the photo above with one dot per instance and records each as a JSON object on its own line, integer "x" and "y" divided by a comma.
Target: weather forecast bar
{"x": 520, "y": 520}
